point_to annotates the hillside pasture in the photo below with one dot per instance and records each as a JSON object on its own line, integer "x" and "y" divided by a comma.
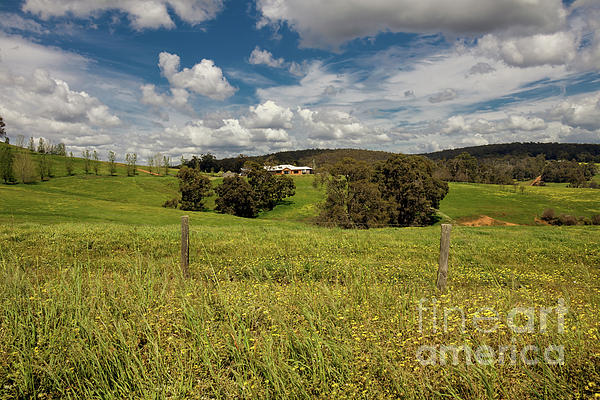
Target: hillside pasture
{"x": 93, "y": 304}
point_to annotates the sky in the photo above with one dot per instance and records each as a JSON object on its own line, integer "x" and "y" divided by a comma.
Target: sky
{"x": 187, "y": 77}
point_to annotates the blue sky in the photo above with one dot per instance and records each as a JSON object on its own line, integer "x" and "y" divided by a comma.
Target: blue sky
{"x": 184, "y": 77}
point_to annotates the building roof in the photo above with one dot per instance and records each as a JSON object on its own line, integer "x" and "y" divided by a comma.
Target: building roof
{"x": 285, "y": 166}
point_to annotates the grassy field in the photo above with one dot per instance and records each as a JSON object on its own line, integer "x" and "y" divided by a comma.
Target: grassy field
{"x": 93, "y": 304}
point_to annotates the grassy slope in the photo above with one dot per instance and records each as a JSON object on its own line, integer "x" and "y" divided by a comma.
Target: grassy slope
{"x": 93, "y": 304}
{"x": 137, "y": 200}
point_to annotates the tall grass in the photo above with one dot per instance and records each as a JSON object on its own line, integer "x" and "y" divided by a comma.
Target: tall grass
{"x": 102, "y": 311}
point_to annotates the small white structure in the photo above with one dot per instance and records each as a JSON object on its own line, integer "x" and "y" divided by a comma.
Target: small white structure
{"x": 289, "y": 170}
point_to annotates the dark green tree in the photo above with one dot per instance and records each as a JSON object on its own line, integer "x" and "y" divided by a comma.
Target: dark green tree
{"x": 194, "y": 188}
{"x": 353, "y": 199}
{"x": 2, "y": 128}
{"x": 269, "y": 189}
{"x": 408, "y": 187}
{"x": 236, "y": 197}
{"x": 7, "y": 159}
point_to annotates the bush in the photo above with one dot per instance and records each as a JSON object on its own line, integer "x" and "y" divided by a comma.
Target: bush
{"x": 171, "y": 203}
{"x": 548, "y": 215}
{"x": 194, "y": 188}
{"x": 565, "y": 219}
{"x": 596, "y": 219}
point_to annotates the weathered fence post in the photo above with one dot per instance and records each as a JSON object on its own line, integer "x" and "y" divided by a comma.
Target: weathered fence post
{"x": 444, "y": 252}
{"x": 185, "y": 246}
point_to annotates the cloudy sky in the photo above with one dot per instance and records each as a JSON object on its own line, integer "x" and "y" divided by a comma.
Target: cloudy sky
{"x": 257, "y": 76}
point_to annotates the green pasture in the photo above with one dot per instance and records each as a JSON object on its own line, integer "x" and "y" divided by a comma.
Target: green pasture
{"x": 93, "y": 304}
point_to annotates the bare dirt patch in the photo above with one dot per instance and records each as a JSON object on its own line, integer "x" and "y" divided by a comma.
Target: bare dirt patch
{"x": 484, "y": 220}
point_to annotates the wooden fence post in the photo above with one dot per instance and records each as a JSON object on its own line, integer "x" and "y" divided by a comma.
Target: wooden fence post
{"x": 185, "y": 246}
{"x": 444, "y": 252}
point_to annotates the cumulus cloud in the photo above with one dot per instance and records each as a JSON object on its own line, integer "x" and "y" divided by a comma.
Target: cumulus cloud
{"x": 552, "y": 49}
{"x": 579, "y": 113}
{"x": 327, "y": 24}
{"x": 142, "y": 13}
{"x": 203, "y": 78}
{"x": 265, "y": 57}
{"x": 229, "y": 136}
{"x": 331, "y": 125}
{"x": 265, "y": 123}
{"x": 43, "y": 96}
{"x": 178, "y": 99}
{"x": 269, "y": 115}
{"x": 459, "y": 125}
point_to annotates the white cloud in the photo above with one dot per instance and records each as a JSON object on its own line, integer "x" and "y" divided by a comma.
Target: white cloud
{"x": 230, "y": 135}
{"x": 204, "y": 78}
{"x": 142, "y": 13}
{"x": 331, "y": 125}
{"x": 14, "y": 22}
{"x": 43, "y": 96}
{"x": 19, "y": 54}
{"x": 265, "y": 57}
{"x": 331, "y": 23}
{"x": 178, "y": 99}
{"x": 269, "y": 115}
{"x": 552, "y": 49}
{"x": 583, "y": 112}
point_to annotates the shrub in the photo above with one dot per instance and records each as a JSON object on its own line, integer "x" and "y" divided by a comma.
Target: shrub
{"x": 548, "y": 215}
{"x": 171, "y": 203}
{"x": 596, "y": 219}
{"x": 566, "y": 219}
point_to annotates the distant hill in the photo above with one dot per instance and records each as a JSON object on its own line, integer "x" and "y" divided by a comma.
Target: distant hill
{"x": 552, "y": 151}
{"x": 309, "y": 157}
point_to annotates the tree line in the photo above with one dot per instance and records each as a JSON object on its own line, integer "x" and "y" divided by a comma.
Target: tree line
{"x": 505, "y": 170}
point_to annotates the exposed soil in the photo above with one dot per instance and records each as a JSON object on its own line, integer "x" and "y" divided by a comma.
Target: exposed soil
{"x": 540, "y": 221}
{"x": 484, "y": 220}
{"x": 537, "y": 181}
{"x": 148, "y": 172}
